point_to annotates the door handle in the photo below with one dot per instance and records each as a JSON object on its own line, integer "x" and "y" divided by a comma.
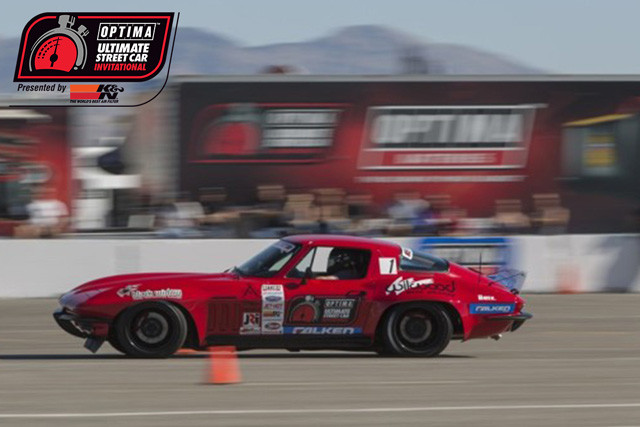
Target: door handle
{"x": 357, "y": 293}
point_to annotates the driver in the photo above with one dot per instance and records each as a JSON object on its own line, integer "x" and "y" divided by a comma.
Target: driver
{"x": 343, "y": 264}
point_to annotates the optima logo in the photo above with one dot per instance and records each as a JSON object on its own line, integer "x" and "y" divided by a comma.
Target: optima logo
{"x": 93, "y": 47}
{"x": 447, "y": 137}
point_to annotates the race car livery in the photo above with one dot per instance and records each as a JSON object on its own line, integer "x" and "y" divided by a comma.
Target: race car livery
{"x": 301, "y": 292}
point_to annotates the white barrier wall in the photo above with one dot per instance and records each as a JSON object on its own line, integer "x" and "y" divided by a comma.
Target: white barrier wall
{"x": 42, "y": 268}
{"x": 579, "y": 263}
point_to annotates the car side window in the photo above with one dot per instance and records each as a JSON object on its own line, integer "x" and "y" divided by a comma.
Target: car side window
{"x": 420, "y": 261}
{"x": 333, "y": 263}
{"x": 280, "y": 263}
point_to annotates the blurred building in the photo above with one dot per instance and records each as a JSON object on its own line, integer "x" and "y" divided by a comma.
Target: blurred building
{"x": 34, "y": 155}
{"x": 534, "y": 152}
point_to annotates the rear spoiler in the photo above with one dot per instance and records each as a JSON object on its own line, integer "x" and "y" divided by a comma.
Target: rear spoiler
{"x": 509, "y": 278}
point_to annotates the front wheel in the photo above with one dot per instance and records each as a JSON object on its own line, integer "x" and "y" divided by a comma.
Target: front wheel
{"x": 417, "y": 330}
{"x": 151, "y": 329}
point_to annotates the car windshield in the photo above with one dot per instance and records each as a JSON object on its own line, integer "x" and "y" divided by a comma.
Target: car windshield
{"x": 419, "y": 261}
{"x": 271, "y": 260}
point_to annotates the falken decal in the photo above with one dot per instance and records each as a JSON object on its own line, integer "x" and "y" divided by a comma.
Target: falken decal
{"x": 322, "y": 330}
{"x": 489, "y": 308}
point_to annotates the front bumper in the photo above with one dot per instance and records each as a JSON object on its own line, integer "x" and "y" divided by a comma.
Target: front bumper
{"x": 517, "y": 319}
{"x": 80, "y": 327}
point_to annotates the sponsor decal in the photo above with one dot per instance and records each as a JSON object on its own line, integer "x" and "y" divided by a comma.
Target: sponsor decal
{"x": 250, "y": 324}
{"x": 488, "y": 308}
{"x": 401, "y": 285}
{"x": 272, "y": 313}
{"x": 447, "y": 137}
{"x": 273, "y": 298}
{"x": 273, "y": 316}
{"x": 486, "y": 298}
{"x": 273, "y": 326}
{"x": 305, "y": 310}
{"x": 272, "y": 305}
{"x": 338, "y": 308}
{"x": 137, "y": 294}
{"x": 322, "y": 330}
{"x": 311, "y": 309}
{"x": 388, "y": 265}
{"x": 93, "y": 46}
{"x": 95, "y": 94}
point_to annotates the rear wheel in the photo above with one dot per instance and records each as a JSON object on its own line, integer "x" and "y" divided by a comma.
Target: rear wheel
{"x": 150, "y": 329}
{"x": 417, "y": 330}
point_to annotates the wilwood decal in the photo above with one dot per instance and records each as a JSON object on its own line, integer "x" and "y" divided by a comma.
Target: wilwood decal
{"x": 401, "y": 285}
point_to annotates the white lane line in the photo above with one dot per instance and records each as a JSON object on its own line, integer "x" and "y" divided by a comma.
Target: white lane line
{"x": 350, "y": 383}
{"x": 317, "y": 411}
{"x": 554, "y": 349}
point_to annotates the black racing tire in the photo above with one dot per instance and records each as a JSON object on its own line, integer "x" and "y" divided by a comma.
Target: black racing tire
{"x": 416, "y": 329}
{"x": 114, "y": 342}
{"x": 151, "y": 329}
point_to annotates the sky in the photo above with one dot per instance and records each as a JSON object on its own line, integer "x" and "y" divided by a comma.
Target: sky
{"x": 561, "y": 36}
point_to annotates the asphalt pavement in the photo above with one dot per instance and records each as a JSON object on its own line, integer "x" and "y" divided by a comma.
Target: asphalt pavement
{"x": 577, "y": 363}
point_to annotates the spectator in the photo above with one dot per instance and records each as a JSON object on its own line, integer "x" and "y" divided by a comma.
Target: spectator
{"x": 182, "y": 218}
{"x": 48, "y": 216}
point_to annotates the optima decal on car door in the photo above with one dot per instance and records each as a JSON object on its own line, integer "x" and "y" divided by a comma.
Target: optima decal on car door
{"x": 309, "y": 310}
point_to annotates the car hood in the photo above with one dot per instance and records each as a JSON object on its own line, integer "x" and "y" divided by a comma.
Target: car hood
{"x": 149, "y": 279}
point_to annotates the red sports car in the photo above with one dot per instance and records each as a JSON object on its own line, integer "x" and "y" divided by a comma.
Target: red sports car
{"x": 302, "y": 292}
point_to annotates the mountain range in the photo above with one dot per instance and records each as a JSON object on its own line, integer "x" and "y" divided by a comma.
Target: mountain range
{"x": 366, "y": 49}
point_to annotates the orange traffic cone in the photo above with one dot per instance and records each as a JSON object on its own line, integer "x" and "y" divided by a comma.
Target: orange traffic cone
{"x": 568, "y": 279}
{"x": 223, "y": 367}
{"x": 186, "y": 352}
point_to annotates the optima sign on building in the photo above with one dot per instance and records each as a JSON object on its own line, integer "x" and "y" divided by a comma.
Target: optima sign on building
{"x": 437, "y": 137}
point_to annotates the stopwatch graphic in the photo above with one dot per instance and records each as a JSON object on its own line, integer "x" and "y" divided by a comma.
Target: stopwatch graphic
{"x": 62, "y": 49}
{"x": 306, "y": 310}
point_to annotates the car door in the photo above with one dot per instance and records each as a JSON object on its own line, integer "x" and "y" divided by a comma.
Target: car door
{"x": 318, "y": 303}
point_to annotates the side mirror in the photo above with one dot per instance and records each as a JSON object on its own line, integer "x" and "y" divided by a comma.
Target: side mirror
{"x": 307, "y": 275}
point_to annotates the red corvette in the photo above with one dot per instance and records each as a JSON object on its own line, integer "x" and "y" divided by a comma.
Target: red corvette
{"x": 302, "y": 292}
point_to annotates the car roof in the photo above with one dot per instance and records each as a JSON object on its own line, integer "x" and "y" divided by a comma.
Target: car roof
{"x": 341, "y": 240}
